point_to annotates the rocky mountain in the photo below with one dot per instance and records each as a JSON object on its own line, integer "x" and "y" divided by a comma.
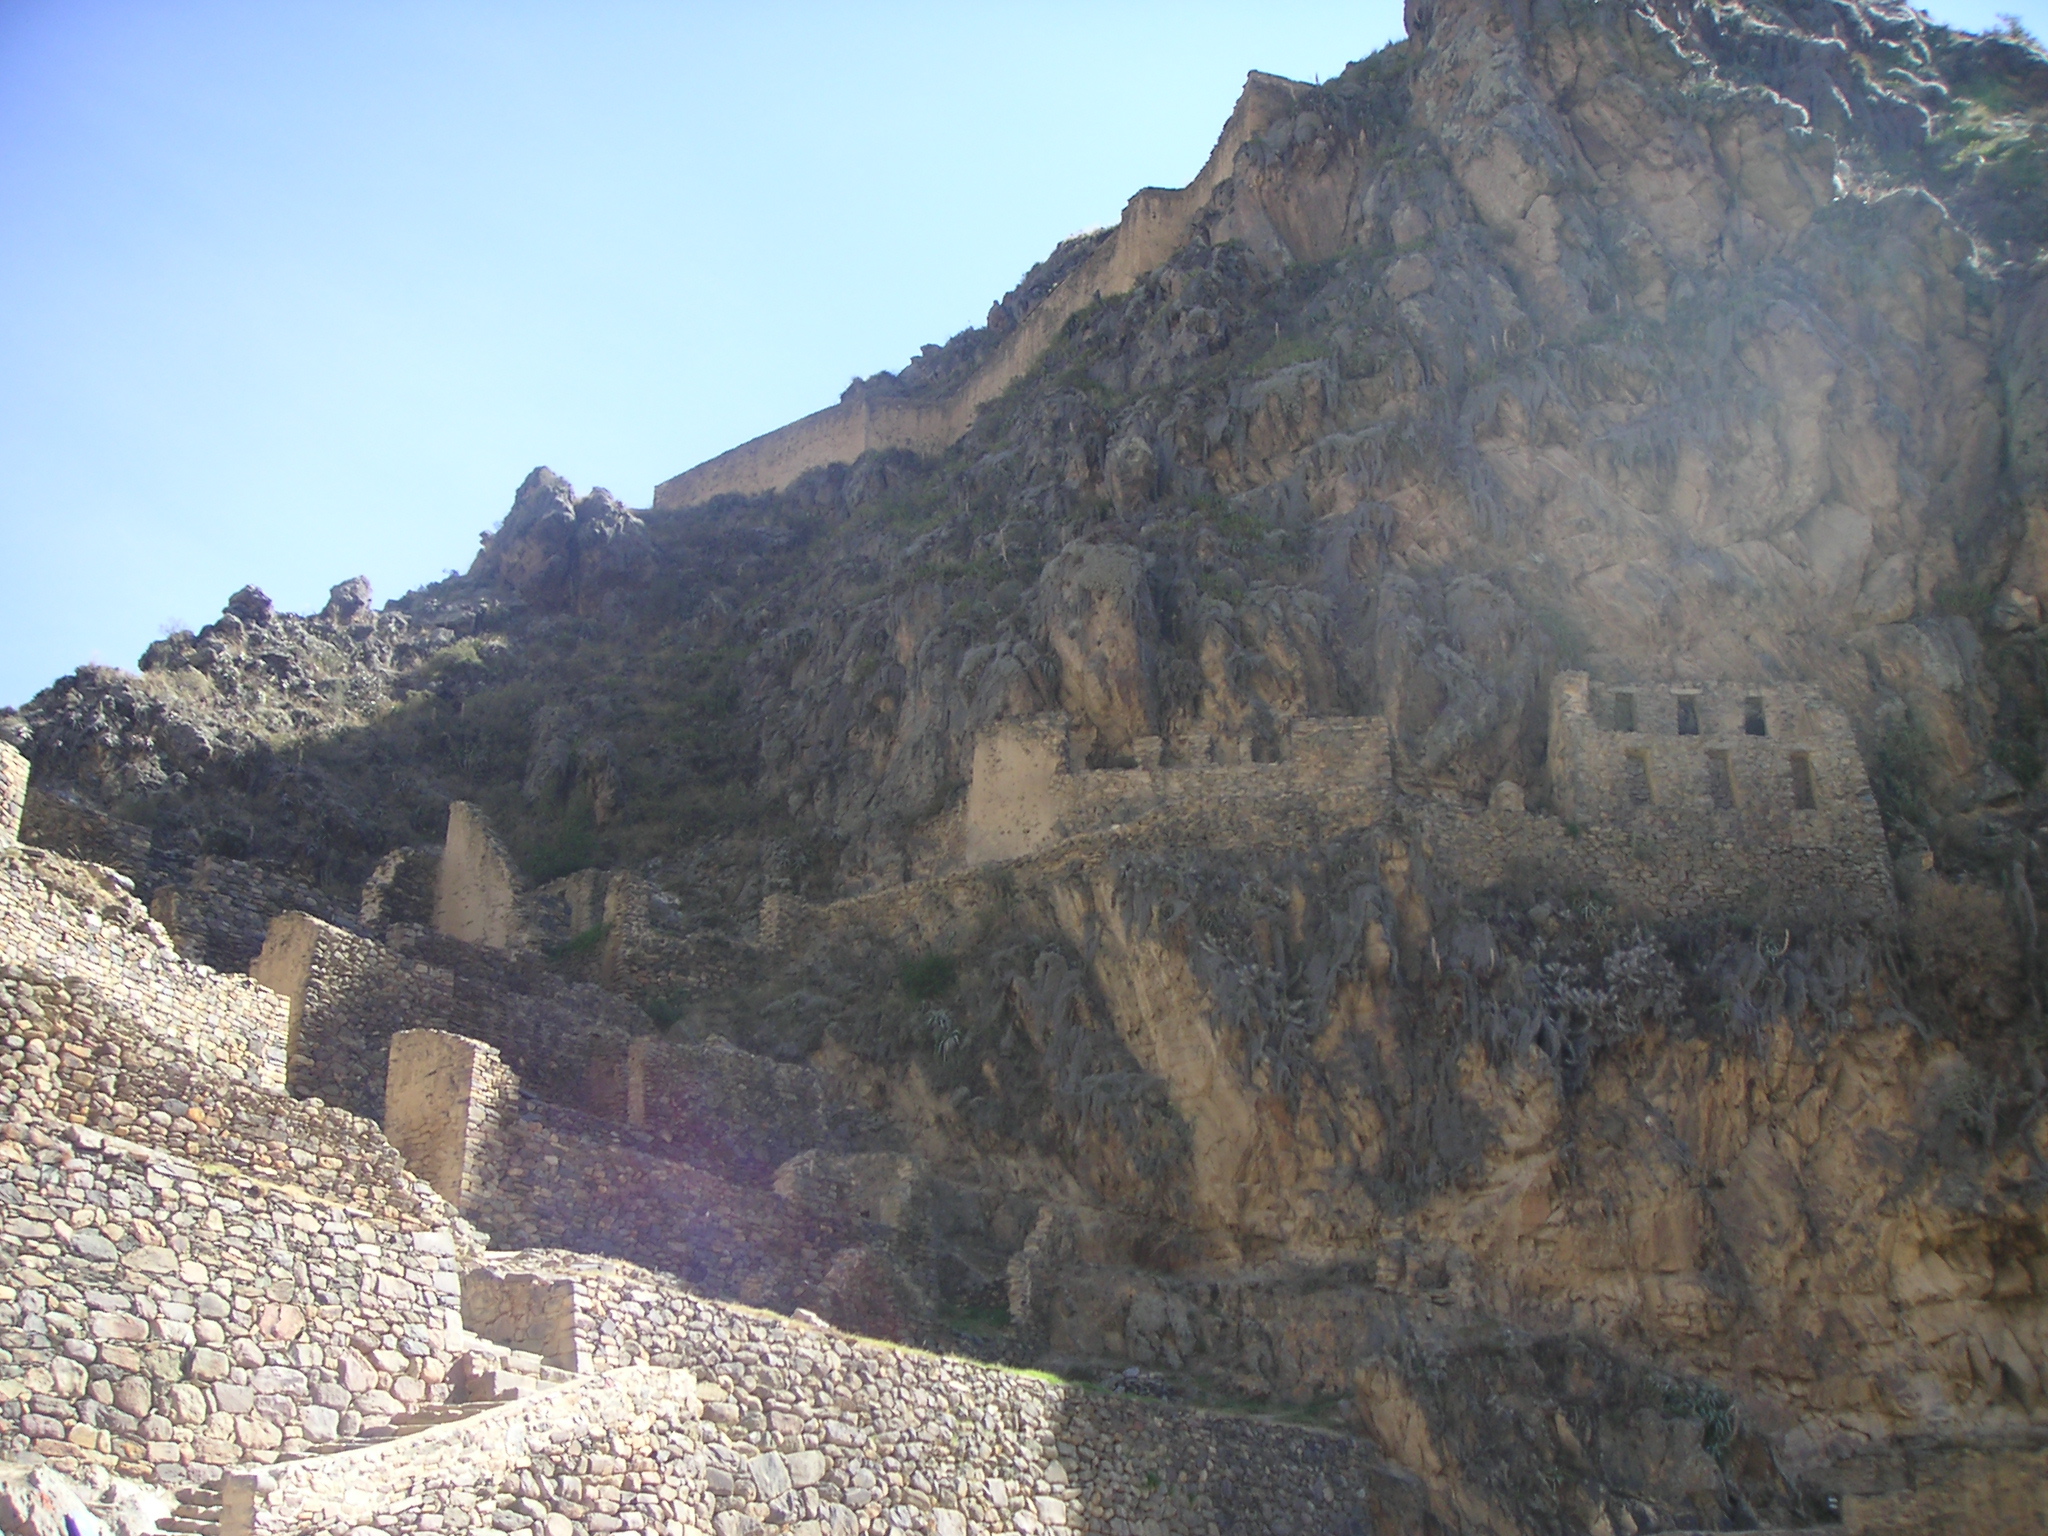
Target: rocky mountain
{"x": 1671, "y": 343}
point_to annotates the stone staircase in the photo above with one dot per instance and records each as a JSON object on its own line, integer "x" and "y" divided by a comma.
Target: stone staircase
{"x": 198, "y": 1512}
{"x": 488, "y": 1377}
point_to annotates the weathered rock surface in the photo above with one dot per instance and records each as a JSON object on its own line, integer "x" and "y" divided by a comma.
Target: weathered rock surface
{"x": 1672, "y": 343}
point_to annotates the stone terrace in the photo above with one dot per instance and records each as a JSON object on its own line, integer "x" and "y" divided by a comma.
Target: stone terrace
{"x": 202, "y": 1279}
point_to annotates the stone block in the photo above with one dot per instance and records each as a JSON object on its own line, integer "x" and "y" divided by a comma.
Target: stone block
{"x": 476, "y": 891}
{"x": 771, "y": 1475}
{"x": 13, "y": 794}
{"x": 356, "y": 1373}
{"x": 444, "y": 1097}
{"x": 120, "y": 1326}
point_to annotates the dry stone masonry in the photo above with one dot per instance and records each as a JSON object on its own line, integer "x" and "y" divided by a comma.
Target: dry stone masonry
{"x": 727, "y": 1420}
{"x": 1679, "y": 799}
{"x": 13, "y": 792}
{"x": 81, "y": 923}
{"x": 206, "y": 1279}
{"x": 209, "y": 1280}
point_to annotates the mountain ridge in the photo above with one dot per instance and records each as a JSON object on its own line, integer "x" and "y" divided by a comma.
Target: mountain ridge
{"x": 1683, "y": 354}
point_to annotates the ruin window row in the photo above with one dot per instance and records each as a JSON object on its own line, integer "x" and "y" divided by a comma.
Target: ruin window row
{"x": 1720, "y": 777}
{"x": 1689, "y": 714}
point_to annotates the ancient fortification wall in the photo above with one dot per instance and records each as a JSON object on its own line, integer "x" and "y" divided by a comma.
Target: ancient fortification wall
{"x": 349, "y": 994}
{"x": 535, "y": 1174}
{"x": 1027, "y": 793}
{"x": 221, "y": 914}
{"x": 13, "y": 793}
{"x": 67, "y": 825}
{"x": 68, "y": 920}
{"x": 1155, "y": 224}
{"x": 195, "y": 1272}
{"x": 80, "y": 1060}
{"x": 779, "y": 1422}
{"x": 1683, "y": 798}
{"x": 202, "y": 1278}
{"x": 176, "y": 1321}
{"x": 400, "y": 890}
{"x": 1711, "y": 798}
{"x": 475, "y": 894}
{"x": 740, "y": 1114}
{"x": 446, "y": 1100}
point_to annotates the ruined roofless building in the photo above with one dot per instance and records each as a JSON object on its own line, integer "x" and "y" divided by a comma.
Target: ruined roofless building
{"x": 1724, "y": 774}
{"x": 1673, "y": 798}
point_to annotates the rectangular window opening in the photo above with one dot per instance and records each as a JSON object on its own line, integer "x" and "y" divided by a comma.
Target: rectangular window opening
{"x": 1720, "y": 783}
{"x": 1753, "y": 717}
{"x": 1624, "y": 711}
{"x": 1802, "y": 782}
{"x": 1688, "y": 714}
{"x": 1636, "y": 778}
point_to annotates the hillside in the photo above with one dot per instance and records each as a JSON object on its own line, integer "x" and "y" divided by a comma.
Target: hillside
{"x": 1408, "y": 793}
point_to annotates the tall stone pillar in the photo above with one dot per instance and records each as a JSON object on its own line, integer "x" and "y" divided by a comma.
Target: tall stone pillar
{"x": 445, "y": 1103}
{"x": 476, "y": 891}
{"x": 13, "y": 791}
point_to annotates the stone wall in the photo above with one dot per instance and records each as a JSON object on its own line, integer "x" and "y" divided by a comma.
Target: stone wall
{"x": 1155, "y": 224}
{"x": 1658, "y": 864}
{"x": 446, "y": 1100}
{"x": 726, "y": 1419}
{"x": 75, "y": 1058}
{"x": 1738, "y": 782}
{"x": 725, "y": 1109}
{"x": 476, "y": 891}
{"x": 400, "y": 890}
{"x": 1028, "y": 794}
{"x": 524, "y": 1311}
{"x": 645, "y": 955}
{"x": 561, "y": 1179}
{"x": 63, "y": 919}
{"x": 174, "y": 1319}
{"x": 1682, "y": 799}
{"x": 531, "y": 1173}
{"x": 221, "y": 914}
{"x": 13, "y": 791}
{"x": 349, "y": 995}
{"x": 64, "y": 823}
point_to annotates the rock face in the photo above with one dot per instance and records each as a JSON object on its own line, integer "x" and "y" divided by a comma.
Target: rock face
{"x": 559, "y": 552}
{"x": 1688, "y": 347}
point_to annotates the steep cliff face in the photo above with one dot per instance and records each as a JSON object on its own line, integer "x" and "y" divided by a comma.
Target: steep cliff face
{"x": 1672, "y": 342}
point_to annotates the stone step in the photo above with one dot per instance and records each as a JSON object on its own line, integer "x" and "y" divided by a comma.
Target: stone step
{"x": 197, "y": 1513}
{"x": 199, "y": 1508}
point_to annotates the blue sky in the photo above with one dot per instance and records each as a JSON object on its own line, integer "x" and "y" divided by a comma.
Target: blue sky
{"x": 297, "y": 291}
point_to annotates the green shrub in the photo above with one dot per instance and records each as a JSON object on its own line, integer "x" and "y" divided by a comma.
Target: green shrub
{"x": 1902, "y": 775}
{"x": 582, "y": 944}
{"x": 569, "y": 846}
{"x": 666, "y": 1009}
{"x": 928, "y": 978}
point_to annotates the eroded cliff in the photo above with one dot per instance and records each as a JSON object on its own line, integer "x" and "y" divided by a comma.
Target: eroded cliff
{"x": 1681, "y": 344}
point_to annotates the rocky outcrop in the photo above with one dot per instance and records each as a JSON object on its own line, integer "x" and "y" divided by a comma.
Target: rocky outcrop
{"x": 1660, "y": 343}
{"x": 560, "y": 552}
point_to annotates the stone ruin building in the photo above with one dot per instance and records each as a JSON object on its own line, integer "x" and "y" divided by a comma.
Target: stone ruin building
{"x": 400, "y": 1223}
{"x": 335, "y": 1247}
